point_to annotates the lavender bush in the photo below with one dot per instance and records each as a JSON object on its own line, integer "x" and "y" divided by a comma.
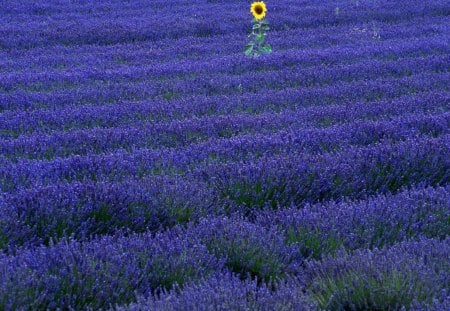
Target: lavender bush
{"x": 146, "y": 163}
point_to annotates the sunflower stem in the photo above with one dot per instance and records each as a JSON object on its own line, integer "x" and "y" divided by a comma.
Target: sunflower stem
{"x": 260, "y": 41}
{"x": 257, "y": 45}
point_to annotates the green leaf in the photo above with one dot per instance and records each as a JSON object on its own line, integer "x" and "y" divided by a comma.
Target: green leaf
{"x": 260, "y": 38}
{"x": 266, "y": 49}
{"x": 248, "y": 49}
{"x": 256, "y": 26}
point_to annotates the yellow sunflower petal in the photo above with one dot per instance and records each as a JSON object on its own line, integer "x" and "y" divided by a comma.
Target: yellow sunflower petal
{"x": 258, "y": 9}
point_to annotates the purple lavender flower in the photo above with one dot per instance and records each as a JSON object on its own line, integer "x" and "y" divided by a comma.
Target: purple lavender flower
{"x": 145, "y": 163}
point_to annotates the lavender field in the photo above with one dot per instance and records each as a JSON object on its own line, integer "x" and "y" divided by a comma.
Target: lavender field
{"x": 146, "y": 163}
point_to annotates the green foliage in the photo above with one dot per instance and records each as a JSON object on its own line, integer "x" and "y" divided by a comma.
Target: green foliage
{"x": 182, "y": 214}
{"x": 3, "y": 240}
{"x": 257, "y": 45}
{"x": 267, "y": 49}
{"x": 313, "y": 243}
{"x": 246, "y": 257}
{"x": 249, "y": 49}
{"x": 256, "y": 194}
{"x": 165, "y": 276}
{"x": 359, "y": 291}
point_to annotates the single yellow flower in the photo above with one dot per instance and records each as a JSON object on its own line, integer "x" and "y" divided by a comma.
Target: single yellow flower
{"x": 258, "y": 9}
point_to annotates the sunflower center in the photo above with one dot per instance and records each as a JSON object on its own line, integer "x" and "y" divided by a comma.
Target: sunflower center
{"x": 258, "y": 9}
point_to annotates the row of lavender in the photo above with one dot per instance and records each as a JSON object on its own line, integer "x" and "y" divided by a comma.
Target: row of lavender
{"x": 146, "y": 164}
{"x": 145, "y": 22}
{"x": 194, "y": 107}
{"x": 311, "y": 250}
{"x": 316, "y": 76}
{"x": 213, "y": 132}
{"x": 54, "y": 80}
{"x": 81, "y": 199}
{"x": 21, "y": 88}
{"x": 189, "y": 50}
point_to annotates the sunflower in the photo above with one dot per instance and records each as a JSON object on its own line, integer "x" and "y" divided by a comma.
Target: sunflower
{"x": 258, "y": 9}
